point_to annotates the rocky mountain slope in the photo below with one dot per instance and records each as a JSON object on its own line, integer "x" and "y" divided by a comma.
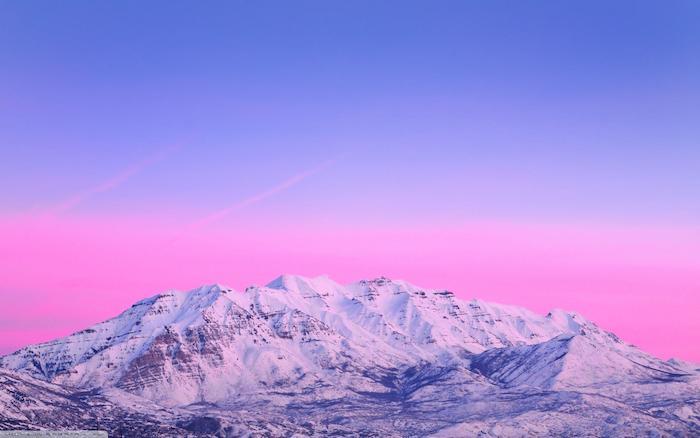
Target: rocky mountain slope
{"x": 383, "y": 357}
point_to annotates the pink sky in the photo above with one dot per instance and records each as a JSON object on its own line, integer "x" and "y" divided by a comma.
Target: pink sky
{"x": 62, "y": 273}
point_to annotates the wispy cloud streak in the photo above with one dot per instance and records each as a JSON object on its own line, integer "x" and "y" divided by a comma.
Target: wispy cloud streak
{"x": 112, "y": 182}
{"x": 284, "y": 185}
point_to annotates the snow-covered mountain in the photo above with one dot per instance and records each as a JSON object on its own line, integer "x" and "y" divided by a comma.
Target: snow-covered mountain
{"x": 376, "y": 356}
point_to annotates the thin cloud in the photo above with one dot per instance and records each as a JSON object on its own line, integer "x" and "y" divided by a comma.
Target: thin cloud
{"x": 111, "y": 183}
{"x": 284, "y": 185}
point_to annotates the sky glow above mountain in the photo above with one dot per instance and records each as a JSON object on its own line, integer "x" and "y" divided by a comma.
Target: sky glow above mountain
{"x": 528, "y": 154}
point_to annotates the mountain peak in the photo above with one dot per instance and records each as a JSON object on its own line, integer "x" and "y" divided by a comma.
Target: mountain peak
{"x": 379, "y": 281}
{"x": 287, "y": 281}
{"x": 309, "y": 340}
{"x": 220, "y": 288}
{"x": 301, "y": 285}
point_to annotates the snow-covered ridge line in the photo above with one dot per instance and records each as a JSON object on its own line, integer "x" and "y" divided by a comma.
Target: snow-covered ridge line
{"x": 168, "y": 301}
{"x": 205, "y": 344}
{"x": 312, "y": 348}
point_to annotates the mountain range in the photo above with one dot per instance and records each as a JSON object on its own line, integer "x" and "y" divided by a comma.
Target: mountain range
{"x": 310, "y": 357}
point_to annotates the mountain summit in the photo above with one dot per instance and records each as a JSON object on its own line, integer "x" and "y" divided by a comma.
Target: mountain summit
{"x": 374, "y": 357}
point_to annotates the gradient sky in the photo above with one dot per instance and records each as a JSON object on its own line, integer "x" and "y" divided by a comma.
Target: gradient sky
{"x": 541, "y": 153}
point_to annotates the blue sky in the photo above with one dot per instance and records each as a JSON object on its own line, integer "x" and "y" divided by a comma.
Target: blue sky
{"x": 533, "y": 110}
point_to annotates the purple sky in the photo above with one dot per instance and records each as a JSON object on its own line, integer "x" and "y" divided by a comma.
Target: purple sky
{"x": 541, "y": 154}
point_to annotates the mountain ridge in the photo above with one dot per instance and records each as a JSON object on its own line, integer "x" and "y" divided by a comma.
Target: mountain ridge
{"x": 299, "y": 343}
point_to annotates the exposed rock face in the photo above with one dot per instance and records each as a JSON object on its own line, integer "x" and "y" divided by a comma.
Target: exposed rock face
{"x": 31, "y": 404}
{"x": 378, "y": 357}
